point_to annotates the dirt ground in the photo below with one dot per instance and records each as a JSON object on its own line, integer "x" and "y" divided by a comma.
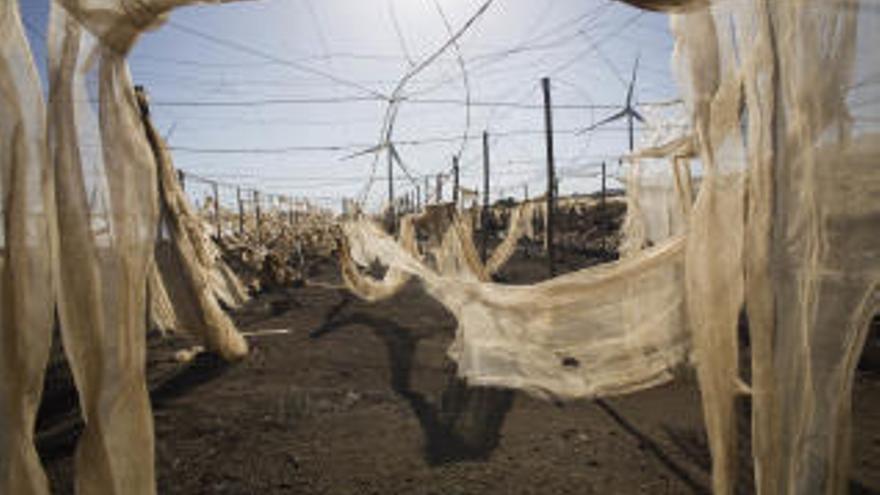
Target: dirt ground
{"x": 357, "y": 398}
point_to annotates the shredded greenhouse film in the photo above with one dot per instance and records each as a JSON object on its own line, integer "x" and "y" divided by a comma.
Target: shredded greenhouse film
{"x": 756, "y": 200}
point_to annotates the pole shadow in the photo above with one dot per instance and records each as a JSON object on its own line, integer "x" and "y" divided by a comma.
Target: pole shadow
{"x": 465, "y": 425}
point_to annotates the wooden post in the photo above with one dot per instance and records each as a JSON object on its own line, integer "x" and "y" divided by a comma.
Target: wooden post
{"x": 426, "y": 191}
{"x": 455, "y": 181}
{"x": 216, "y": 207}
{"x": 257, "y": 214}
{"x": 525, "y": 192}
{"x": 290, "y": 211}
{"x": 603, "y": 187}
{"x": 240, "y": 210}
{"x": 391, "y": 182}
{"x": 551, "y": 176}
{"x": 603, "y": 215}
{"x": 485, "y": 213}
{"x": 439, "y": 185}
{"x": 418, "y": 197}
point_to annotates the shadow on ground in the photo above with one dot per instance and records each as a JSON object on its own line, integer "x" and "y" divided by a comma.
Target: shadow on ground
{"x": 61, "y": 426}
{"x": 467, "y": 423}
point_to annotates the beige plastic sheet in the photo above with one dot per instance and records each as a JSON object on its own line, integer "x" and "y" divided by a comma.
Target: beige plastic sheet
{"x": 822, "y": 248}
{"x": 450, "y": 245}
{"x": 787, "y": 207}
{"x": 769, "y": 83}
{"x": 105, "y": 254}
{"x": 457, "y": 255}
{"x": 517, "y": 226}
{"x": 368, "y": 288}
{"x": 543, "y": 338}
{"x": 224, "y": 284}
{"x": 162, "y": 315}
{"x": 185, "y": 293}
{"x": 714, "y": 281}
{"x": 107, "y": 198}
{"x": 657, "y": 206}
{"x": 27, "y": 295}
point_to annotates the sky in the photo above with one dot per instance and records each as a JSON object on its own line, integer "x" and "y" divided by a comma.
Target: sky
{"x": 278, "y": 94}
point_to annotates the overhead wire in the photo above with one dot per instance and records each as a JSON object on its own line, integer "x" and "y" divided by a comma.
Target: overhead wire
{"x": 391, "y": 100}
{"x": 387, "y": 127}
{"x": 355, "y": 99}
{"x": 243, "y": 48}
{"x": 530, "y": 44}
{"x": 464, "y": 77}
{"x": 399, "y": 142}
{"x": 401, "y": 41}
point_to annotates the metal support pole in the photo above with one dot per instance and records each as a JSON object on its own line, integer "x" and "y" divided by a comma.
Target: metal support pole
{"x": 439, "y": 185}
{"x": 216, "y": 190}
{"x": 240, "y": 210}
{"x": 551, "y": 176}
{"x": 257, "y": 212}
{"x": 455, "y": 181}
{"x": 426, "y": 191}
{"x": 603, "y": 186}
{"x": 391, "y": 180}
{"x": 290, "y": 211}
{"x": 603, "y": 214}
{"x": 485, "y": 213}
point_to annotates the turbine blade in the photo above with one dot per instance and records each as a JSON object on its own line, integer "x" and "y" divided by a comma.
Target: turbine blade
{"x": 637, "y": 115}
{"x": 370, "y": 150}
{"x": 394, "y": 155}
{"x": 619, "y": 115}
{"x": 632, "y": 83}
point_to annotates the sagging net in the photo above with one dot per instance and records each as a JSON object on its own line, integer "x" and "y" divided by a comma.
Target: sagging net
{"x": 189, "y": 277}
{"x": 532, "y": 337}
{"x": 449, "y": 249}
{"x": 81, "y": 207}
{"x": 784, "y": 222}
{"x": 27, "y": 263}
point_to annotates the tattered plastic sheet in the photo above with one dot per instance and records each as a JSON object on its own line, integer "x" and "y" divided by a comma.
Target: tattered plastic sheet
{"x": 773, "y": 88}
{"x": 184, "y": 290}
{"x": 785, "y": 221}
{"x": 657, "y": 207}
{"x": 27, "y": 295}
{"x": 450, "y": 248}
{"x": 604, "y": 331}
{"x": 107, "y": 198}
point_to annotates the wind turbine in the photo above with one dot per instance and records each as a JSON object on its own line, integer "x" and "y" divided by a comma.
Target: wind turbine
{"x": 393, "y": 156}
{"x": 628, "y": 110}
